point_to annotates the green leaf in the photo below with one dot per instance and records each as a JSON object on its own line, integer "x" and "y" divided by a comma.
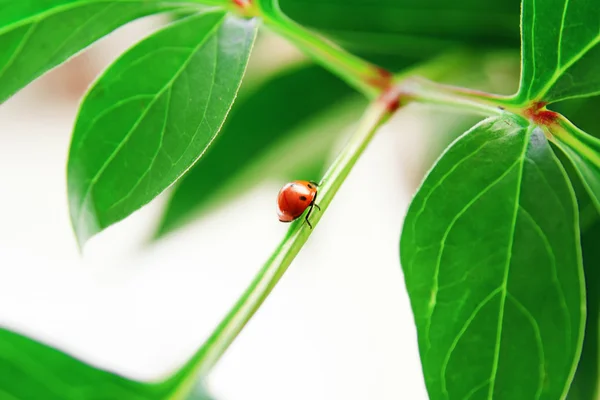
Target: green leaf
{"x": 585, "y": 382}
{"x": 560, "y": 52}
{"x": 33, "y": 370}
{"x": 409, "y": 28}
{"x": 36, "y": 36}
{"x": 152, "y": 115}
{"x": 584, "y": 152}
{"x": 491, "y": 257}
{"x": 281, "y": 110}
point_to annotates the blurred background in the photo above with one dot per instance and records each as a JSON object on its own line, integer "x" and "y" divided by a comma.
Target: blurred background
{"x": 338, "y": 325}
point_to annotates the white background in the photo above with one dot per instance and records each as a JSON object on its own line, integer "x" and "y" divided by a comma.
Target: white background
{"x": 338, "y": 326}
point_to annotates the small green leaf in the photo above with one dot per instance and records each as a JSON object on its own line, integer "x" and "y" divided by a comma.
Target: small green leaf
{"x": 491, "y": 257}
{"x": 36, "y": 36}
{"x": 587, "y": 377}
{"x": 279, "y": 111}
{"x": 584, "y": 152}
{"x": 152, "y": 115}
{"x": 560, "y": 52}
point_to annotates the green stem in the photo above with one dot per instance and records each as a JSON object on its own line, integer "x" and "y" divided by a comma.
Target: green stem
{"x": 205, "y": 358}
{"x": 424, "y": 91}
{"x": 367, "y": 78}
{"x": 566, "y": 132}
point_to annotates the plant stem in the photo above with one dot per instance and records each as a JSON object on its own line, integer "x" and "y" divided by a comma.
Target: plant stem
{"x": 424, "y": 91}
{"x": 367, "y": 78}
{"x": 205, "y": 358}
{"x": 405, "y": 91}
{"x": 565, "y": 133}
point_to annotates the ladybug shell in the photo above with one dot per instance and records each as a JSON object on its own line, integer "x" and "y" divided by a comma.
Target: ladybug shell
{"x": 294, "y": 198}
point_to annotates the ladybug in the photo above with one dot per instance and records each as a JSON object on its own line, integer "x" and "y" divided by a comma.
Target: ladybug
{"x": 294, "y": 198}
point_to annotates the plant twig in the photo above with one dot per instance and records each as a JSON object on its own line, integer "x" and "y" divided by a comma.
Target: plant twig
{"x": 420, "y": 90}
{"x": 205, "y": 358}
{"x": 367, "y": 78}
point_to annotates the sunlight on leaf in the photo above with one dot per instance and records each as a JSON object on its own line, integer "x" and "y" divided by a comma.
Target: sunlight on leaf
{"x": 493, "y": 274}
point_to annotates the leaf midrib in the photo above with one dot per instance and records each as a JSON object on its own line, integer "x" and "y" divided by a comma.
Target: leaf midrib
{"x": 508, "y": 262}
{"x": 169, "y": 83}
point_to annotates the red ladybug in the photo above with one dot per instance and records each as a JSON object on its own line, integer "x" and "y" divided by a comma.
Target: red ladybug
{"x": 294, "y": 198}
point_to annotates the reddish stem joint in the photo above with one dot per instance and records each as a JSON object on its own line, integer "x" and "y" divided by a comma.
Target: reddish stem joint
{"x": 538, "y": 113}
{"x": 382, "y": 79}
{"x": 246, "y": 8}
{"x": 392, "y": 98}
{"x": 242, "y": 3}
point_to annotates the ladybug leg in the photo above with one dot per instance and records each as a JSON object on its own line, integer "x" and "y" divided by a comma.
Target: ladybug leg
{"x": 308, "y": 222}
{"x": 312, "y": 205}
{"x": 308, "y": 214}
{"x": 314, "y": 183}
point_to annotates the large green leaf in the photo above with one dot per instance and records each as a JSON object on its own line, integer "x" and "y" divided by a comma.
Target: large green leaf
{"x": 152, "y": 115}
{"x": 413, "y": 28}
{"x": 280, "y": 110}
{"x": 585, "y": 383}
{"x": 494, "y": 274}
{"x": 560, "y": 52}
{"x": 36, "y": 36}
{"x": 584, "y": 152}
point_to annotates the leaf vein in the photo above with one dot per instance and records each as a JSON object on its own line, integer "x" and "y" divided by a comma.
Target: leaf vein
{"x": 79, "y": 29}
{"x": 554, "y": 268}
{"x": 539, "y": 342}
{"x": 208, "y": 98}
{"x": 460, "y": 334}
{"x": 18, "y": 49}
{"x": 154, "y": 156}
{"x": 560, "y": 35}
{"x": 55, "y": 10}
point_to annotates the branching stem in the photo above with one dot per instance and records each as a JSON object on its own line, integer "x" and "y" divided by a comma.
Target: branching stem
{"x": 387, "y": 94}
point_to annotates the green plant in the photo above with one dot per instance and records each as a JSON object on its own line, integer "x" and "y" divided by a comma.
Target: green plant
{"x": 491, "y": 247}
